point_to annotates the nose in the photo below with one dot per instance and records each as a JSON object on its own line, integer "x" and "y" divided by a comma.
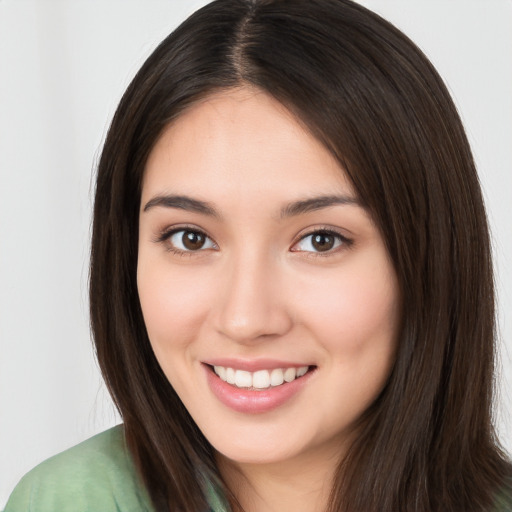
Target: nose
{"x": 252, "y": 304}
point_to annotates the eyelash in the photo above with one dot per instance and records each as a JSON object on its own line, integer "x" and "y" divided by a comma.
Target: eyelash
{"x": 166, "y": 235}
{"x": 342, "y": 239}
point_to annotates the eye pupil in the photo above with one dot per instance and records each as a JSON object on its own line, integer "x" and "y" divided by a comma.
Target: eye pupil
{"x": 323, "y": 241}
{"x": 193, "y": 240}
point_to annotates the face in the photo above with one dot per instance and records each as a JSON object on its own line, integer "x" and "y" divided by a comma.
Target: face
{"x": 266, "y": 289}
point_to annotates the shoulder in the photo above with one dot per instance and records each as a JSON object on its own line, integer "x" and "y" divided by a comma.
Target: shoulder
{"x": 503, "y": 502}
{"x": 96, "y": 475}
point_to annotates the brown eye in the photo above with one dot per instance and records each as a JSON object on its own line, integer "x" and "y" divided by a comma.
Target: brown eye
{"x": 192, "y": 240}
{"x": 320, "y": 242}
{"x": 188, "y": 240}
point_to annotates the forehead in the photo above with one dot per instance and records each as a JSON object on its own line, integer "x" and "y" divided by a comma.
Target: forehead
{"x": 241, "y": 139}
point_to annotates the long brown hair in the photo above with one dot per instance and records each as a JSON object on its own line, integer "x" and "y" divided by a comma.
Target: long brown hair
{"x": 375, "y": 101}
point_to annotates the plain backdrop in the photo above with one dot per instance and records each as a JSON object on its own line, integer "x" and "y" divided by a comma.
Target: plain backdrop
{"x": 63, "y": 67}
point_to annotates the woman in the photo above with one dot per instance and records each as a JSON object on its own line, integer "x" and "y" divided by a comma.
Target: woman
{"x": 291, "y": 287}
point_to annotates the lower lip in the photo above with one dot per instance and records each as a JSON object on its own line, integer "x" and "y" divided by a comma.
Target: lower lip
{"x": 254, "y": 402}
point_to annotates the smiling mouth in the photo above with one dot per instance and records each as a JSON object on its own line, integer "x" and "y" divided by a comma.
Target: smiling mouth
{"x": 261, "y": 379}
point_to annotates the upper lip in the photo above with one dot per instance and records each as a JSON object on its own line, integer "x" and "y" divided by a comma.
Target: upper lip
{"x": 253, "y": 365}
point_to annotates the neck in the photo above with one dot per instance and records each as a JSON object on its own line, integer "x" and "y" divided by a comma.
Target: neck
{"x": 300, "y": 484}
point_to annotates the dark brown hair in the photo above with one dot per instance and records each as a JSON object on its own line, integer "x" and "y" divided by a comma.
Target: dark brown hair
{"x": 375, "y": 101}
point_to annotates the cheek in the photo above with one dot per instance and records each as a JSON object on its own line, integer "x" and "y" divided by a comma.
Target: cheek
{"x": 355, "y": 311}
{"x": 355, "y": 318}
{"x": 173, "y": 303}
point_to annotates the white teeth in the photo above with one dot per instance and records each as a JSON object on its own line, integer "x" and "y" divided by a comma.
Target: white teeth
{"x": 243, "y": 379}
{"x": 220, "y": 371}
{"x": 261, "y": 379}
{"x": 230, "y": 376}
{"x": 276, "y": 377}
{"x": 302, "y": 371}
{"x": 290, "y": 374}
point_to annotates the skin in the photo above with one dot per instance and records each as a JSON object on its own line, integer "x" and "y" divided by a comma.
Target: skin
{"x": 258, "y": 288}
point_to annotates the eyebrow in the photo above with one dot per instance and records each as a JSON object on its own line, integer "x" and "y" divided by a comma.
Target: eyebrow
{"x": 182, "y": 203}
{"x": 317, "y": 203}
{"x": 290, "y": 210}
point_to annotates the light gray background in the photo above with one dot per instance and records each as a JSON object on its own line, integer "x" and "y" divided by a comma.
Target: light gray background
{"x": 63, "y": 68}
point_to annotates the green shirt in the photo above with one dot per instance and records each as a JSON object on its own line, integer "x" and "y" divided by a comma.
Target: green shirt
{"x": 97, "y": 475}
